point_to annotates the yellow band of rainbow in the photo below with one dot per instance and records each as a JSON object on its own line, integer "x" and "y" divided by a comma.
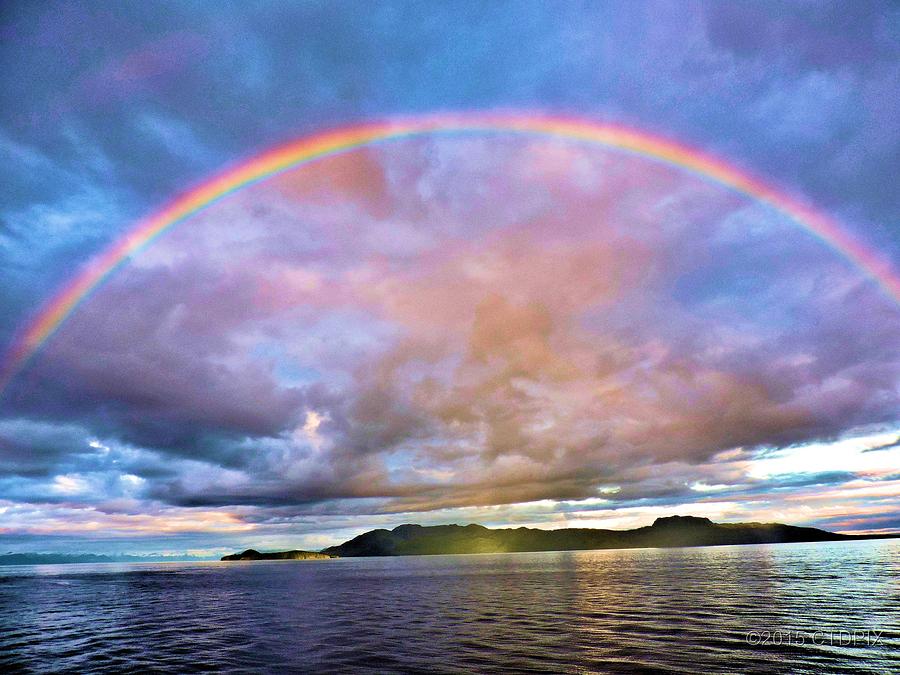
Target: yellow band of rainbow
{"x": 284, "y": 157}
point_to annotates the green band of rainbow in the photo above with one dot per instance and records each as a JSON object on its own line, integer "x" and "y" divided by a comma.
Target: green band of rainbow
{"x": 35, "y": 333}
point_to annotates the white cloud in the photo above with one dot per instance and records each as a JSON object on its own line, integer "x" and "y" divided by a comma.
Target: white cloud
{"x": 854, "y": 454}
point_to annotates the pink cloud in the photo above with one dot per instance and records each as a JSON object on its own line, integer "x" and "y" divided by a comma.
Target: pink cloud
{"x": 560, "y": 330}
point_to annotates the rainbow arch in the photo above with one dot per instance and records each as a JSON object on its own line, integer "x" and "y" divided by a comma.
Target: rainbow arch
{"x": 54, "y": 312}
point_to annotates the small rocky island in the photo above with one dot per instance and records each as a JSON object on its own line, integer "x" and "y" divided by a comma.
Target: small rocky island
{"x": 251, "y": 554}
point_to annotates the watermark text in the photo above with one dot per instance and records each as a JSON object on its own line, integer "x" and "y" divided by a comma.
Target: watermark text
{"x": 868, "y": 637}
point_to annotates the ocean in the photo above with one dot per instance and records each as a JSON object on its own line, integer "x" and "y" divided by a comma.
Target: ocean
{"x": 790, "y": 608}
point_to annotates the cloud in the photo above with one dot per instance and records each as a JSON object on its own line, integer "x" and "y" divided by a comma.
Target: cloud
{"x": 563, "y": 344}
{"x": 453, "y": 324}
{"x": 45, "y": 519}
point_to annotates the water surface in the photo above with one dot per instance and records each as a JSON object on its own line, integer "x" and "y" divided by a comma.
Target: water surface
{"x": 689, "y": 610}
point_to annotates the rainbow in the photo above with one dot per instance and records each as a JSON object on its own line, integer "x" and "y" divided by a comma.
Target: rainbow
{"x": 308, "y": 149}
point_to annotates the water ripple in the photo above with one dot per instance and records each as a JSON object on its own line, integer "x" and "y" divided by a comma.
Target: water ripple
{"x": 649, "y": 610}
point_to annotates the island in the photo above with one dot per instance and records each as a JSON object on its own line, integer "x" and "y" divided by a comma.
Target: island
{"x": 667, "y": 532}
{"x": 251, "y": 554}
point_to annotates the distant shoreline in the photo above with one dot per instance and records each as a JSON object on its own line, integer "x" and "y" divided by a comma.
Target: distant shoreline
{"x": 217, "y": 561}
{"x": 412, "y": 540}
{"x": 13, "y": 559}
{"x": 251, "y": 554}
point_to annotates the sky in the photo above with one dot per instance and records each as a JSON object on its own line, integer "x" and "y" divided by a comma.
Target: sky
{"x": 485, "y": 327}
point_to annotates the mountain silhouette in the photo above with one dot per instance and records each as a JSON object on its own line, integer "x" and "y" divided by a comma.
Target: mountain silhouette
{"x": 251, "y": 554}
{"x": 672, "y": 531}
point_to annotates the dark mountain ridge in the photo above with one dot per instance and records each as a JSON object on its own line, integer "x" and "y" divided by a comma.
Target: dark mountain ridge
{"x": 672, "y": 531}
{"x": 251, "y": 554}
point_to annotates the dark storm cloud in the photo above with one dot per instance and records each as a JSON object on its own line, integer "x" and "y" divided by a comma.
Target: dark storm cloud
{"x": 188, "y": 398}
{"x": 33, "y": 449}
